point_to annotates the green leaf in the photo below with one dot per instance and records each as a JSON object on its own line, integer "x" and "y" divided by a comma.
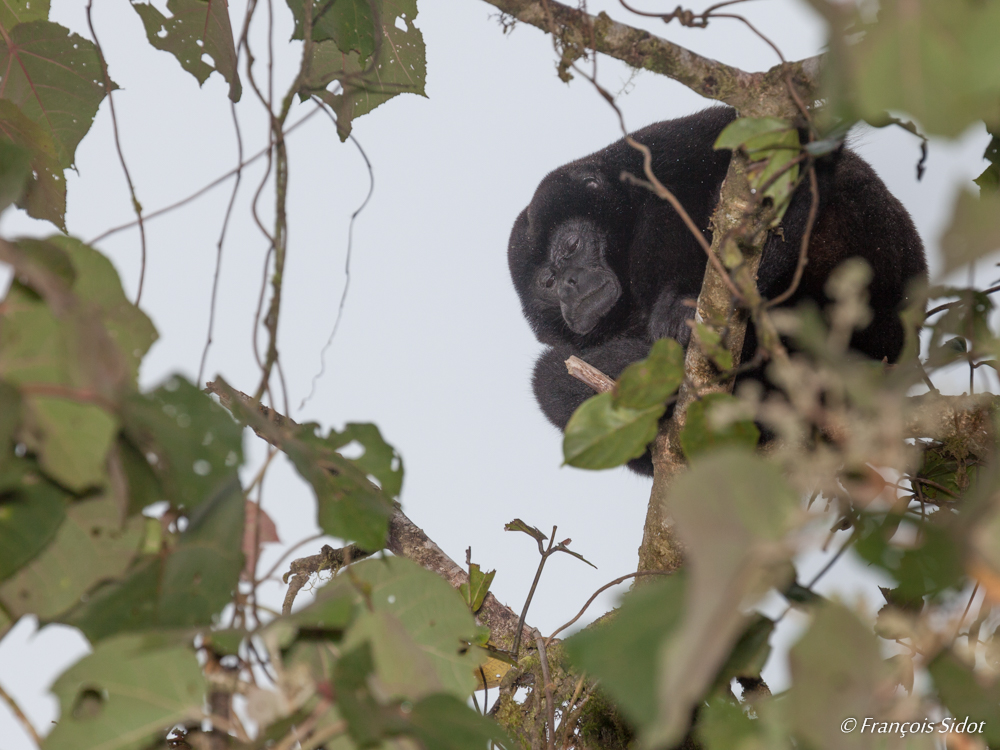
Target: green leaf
{"x": 123, "y": 696}
{"x": 535, "y": 533}
{"x": 735, "y": 496}
{"x": 91, "y": 545}
{"x": 600, "y": 436}
{"x": 45, "y": 194}
{"x": 710, "y": 341}
{"x": 701, "y": 432}
{"x": 14, "y": 12}
{"x": 722, "y": 725}
{"x": 191, "y": 444}
{"x": 183, "y": 587}
{"x": 771, "y": 144}
{"x": 652, "y": 380}
{"x": 750, "y": 653}
{"x": 974, "y": 230}
{"x": 937, "y": 60}
{"x": 925, "y": 568}
{"x": 621, "y": 651}
{"x": 97, "y": 284}
{"x": 751, "y": 132}
{"x": 347, "y": 23}
{"x": 10, "y": 419}
{"x": 73, "y": 440}
{"x": 989, "y": 180}
{"x": 475, "y": 591}
{"x": 55, "y": 78}
{"x": 837, "y": 672}
{"x": 350, "y": 504}
{"x": 15, "y": 171}
{"x": 31, "y": 511}
{"x": 443, "y": 722}
{"x": 967, "y": 695}
{"x": 398, "y": 65}
{"x": 427, "y": 608}
{"x": 195, "y": 28}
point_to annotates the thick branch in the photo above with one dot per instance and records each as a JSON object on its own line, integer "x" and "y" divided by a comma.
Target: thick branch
{"x": 754, "y": 94}
{"x": 406, "y": 539}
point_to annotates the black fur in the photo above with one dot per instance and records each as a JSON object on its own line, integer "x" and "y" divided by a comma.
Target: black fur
{"x": 585, "y": 227}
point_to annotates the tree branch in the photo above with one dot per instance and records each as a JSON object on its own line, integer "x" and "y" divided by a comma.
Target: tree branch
{"x": 405, "y": 539}
{"x": 753, "y": 94}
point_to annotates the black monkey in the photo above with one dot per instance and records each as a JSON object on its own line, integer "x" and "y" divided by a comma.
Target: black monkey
{"x": 603, "y": 267}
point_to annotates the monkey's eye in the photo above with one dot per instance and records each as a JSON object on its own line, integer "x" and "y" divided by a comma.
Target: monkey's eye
{"x": 591, "y": 182}
{"x": 547, "y": 281}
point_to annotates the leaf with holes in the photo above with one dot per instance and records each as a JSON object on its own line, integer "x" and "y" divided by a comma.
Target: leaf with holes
{"x": 31, "y": 511}
{"x": 185, "y": 586}
{"x": 91, "y": 545}
{"x": 196, "y": 28}
{"x": 126, "y": 694}
{"x": 14, "y": 12}
{"x": 55, "y": 78}
{"x": 398, "y": 65}
{"x": 45, "y": 194}
{"x": 191, "y": 444}
{"x": 347, "y": 23}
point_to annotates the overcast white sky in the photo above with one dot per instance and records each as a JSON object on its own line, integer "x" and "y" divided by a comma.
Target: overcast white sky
{"x": 432, "y": 346}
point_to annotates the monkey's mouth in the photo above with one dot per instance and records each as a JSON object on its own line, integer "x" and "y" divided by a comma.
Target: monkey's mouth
{"x": 582, "y": 314}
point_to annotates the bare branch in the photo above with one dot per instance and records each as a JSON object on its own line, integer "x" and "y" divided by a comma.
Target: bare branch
{"x": 754, "y": 94}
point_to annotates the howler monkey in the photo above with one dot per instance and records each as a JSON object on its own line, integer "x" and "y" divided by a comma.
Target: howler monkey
{"x": 603, "y": 267}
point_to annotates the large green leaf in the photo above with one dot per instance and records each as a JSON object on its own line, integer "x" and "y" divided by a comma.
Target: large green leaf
{"x": 937, "y": 60}
{"x": 397, "y": 66}
{"x": 352, "y": 495}
{"x": 92, "y": 545}
{"x": 45, "y": 194}
{"x": 195, "y": 28}
{"x": 621, "y": 652}
{"x": 601, "y": 436}
{"x": 55, "y": 78}
{"x": 652, "y": 380}
{"x": 347, "y": 23}
{"x": 836, "y": 670}
{"x": 13, "y": 12}
{"x": 733, "y": 511}
{"x": 967, "y": 695}
{"x": 185, "y": 586}
{"x": 31, "y": 511}
{"x": 191, "y": 444}
{"x": 72, "y": 440}
{"x": 125, "y": 694}
{"x": 974, "y": 230}
{"x": 425, "y": 608}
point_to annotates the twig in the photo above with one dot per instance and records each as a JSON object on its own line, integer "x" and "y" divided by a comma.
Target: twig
{"x": 19, "y": 714}
{"x": 545, "y": 553}
{"x": 347, "y": 261}
{"x": 597, "y": 593}
{"x": 222, "y": 237}
{"x": 589, "y": 375}
{"x": 550, "y": 709}
{"x": 136, "y": 206}
{"x": 200, "y": 192}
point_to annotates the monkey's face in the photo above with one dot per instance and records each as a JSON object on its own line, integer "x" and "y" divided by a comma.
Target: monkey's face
{"x": 577, "y": 276}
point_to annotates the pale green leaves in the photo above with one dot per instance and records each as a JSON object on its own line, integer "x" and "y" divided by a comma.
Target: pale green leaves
{"x": 937, "y": 60}
{"x": 612, "y": 428}
{"x": 974, "y": 231}
{"x": 772, "y": 146}
{"x": 125, "y": 694}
